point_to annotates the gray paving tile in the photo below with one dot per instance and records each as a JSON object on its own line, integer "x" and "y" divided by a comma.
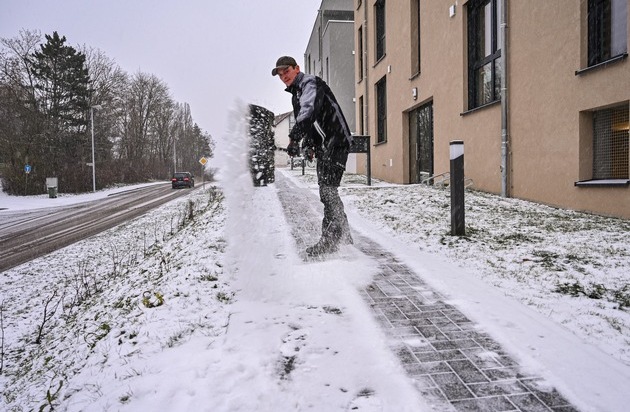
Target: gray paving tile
{"x": 426, "y": 368}
{"x": 467, "y": 371}
{"x": 452, "y": 386}
{"x": 549, "y": 396}
{"x": 496, "y": 404}
{"x": 528, "y": 402}
{"x": 486, "y": 389}
{"x": 432, "y": 333}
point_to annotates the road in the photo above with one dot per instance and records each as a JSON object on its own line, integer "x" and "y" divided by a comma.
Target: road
{"x": 28, "y": 234}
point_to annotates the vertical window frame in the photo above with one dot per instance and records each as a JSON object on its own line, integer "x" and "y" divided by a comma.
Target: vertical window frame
{"x": 360, "y": 53}
{"x": 381, "y": 110}
{"x": 607, "y": 22}
{"x": 380, "y": 29}
{"x": 361, "y": 128}
{"x": 415, "y": 41}
{"x": 484, "y": 54}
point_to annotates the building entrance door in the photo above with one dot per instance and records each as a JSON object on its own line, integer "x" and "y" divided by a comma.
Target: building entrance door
{"x": 421, "y": 143}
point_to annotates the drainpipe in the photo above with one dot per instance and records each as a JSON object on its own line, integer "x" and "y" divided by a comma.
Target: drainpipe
{"x": 320, "y": 46}
{"x": 505, "y": 191}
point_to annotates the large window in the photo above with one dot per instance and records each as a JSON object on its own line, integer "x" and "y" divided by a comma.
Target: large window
{"x": 607, "y": 30}
{"x": 484, "y": 53}
{"x": 379, "y": 11}
{"x": 610, "y": 143}
{"x": 381, "y": 111}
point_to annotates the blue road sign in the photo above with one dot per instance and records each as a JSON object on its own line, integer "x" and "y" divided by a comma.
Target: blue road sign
{"x": 27, "y": 168}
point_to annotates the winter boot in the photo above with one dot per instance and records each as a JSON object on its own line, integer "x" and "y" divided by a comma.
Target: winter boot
{"x": 346, "y": 239}
{"x": 322, "y": 247}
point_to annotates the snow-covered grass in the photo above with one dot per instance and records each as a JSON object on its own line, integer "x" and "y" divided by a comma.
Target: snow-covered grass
{"x": 217, "y": 312}
{"x": 63, "y": 313}
{"x": 572, "y": 267}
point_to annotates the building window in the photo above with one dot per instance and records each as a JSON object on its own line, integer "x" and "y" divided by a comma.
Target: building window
{"x": 484, "y": 62}
{"x": 361, "y": 54}
{"x": 610, "y": 143}
{"x": 319, "y": 43}
{"x": 415, "y": 37}
{"x": 607, "y": 30}
{"x": 379, "y": 12}
{"x": 381, "y": 111}
{"x": 361, "y": 129}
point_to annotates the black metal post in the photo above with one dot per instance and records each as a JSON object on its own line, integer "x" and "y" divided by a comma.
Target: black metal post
{"x": 369, "y": 163}
{"x": 458, "y": 227}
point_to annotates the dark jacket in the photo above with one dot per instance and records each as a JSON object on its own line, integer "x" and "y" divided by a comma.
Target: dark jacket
{"x": 319, "y": 116}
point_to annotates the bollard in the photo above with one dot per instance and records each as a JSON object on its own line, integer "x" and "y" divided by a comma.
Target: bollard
{"x": 457, "y": 188}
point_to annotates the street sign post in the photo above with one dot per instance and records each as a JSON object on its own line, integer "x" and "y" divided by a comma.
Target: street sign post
{"x": 203, "y": 162}
{"x": 27, "y": 170}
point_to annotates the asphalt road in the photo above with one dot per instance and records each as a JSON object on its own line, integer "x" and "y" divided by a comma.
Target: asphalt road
{"x": 28, "y": 234}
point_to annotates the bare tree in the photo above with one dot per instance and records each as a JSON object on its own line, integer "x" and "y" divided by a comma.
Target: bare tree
{"x": 20, "y": 123}
{"x": 108, "y": 84}
{"x": 146, "y": 95}
{"x": 165, "y": 129}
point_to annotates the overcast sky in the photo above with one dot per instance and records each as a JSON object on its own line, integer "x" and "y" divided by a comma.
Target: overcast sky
{"x": 209, "y": 52}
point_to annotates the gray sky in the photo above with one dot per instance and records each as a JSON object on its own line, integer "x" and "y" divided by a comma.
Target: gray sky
{"x": 209, "y": 52}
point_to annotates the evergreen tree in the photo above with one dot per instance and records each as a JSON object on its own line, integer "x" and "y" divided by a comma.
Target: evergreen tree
{"x": 62, "y": 81}
{"x": 62, "y": 85}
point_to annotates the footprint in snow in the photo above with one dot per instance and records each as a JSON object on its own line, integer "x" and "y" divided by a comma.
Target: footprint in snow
{"x": 366, "y": 401}
{"x": 292, "y": 343}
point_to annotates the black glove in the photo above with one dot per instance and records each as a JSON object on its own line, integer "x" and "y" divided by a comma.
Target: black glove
{"x": 293, "y": 149}
{"x": 308, "y": 153}
{"x": 297, "y": 132}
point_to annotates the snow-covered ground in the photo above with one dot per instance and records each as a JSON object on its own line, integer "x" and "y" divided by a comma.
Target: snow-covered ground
{"x": 217, "y": 312}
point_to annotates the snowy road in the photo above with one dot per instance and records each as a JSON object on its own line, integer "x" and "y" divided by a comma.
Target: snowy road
{"x": 25, "y": 235}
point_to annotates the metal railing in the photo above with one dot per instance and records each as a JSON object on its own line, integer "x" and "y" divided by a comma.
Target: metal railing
{"x": 443, "y": 180}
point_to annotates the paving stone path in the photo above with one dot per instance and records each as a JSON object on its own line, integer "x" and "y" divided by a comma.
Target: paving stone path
{"x": 452, "y": 362}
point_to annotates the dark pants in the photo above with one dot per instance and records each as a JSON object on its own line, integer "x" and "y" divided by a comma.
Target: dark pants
{"x": 335, "y": 222}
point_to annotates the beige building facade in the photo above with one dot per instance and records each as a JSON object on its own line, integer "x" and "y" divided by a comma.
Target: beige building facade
{"x": 538, "y": 91}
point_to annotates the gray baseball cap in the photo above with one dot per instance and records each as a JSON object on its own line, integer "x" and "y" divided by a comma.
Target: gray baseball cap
{"x": 282, "y": 63}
